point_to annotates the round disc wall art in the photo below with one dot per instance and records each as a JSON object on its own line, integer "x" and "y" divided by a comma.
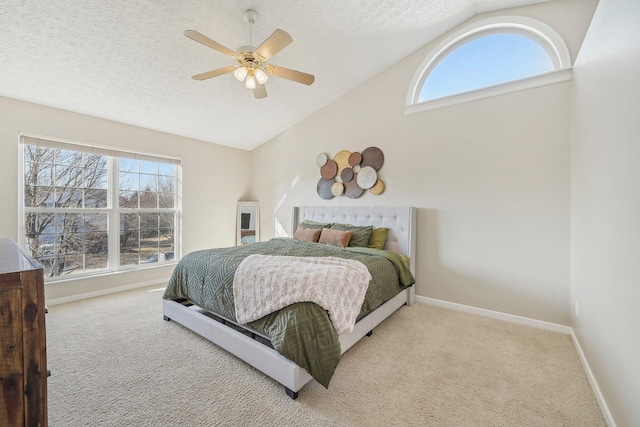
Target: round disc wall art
{"x": 350, "y": 173}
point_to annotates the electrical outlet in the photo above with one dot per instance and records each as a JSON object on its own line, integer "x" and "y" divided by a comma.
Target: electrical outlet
{"x": 575, "y": 309}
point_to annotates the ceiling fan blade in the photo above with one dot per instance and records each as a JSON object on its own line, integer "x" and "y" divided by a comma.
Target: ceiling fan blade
{"x": 293, "y": 75}
{"x": 274, "y": 44}
{"x": 260, "y": 91}
{"x": 194, "y": 35}
{"x": 214, "y": 73}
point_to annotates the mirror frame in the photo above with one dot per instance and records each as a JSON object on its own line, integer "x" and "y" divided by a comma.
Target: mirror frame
{"x": 243, "y": 207}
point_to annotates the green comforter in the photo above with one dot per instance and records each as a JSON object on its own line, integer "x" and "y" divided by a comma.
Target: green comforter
{"x": 301, "y": 332}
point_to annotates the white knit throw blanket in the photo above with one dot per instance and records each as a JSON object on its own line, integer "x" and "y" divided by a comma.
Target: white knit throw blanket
{"x": 263, "y": 284}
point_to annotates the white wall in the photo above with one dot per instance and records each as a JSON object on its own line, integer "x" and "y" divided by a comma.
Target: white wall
{"x": 605, "y": 204}
{"x": 490, "y": 179}
{"x": 209, "y": 209}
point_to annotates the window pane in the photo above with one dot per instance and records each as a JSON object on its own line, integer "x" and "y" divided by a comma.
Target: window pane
{"x": 166, "y": 169}
{"x": 68, "y": 223}
{"x": 129, "y": 247}
{"x": 42, "y": 245}
{"x": 95, "y": 198}
{"x": 130, "y": 221}
{"x": 167, "y": 236}
{"x": 73, "y": 243}
{"x": 148, "y": 199}
{"x": 96, "y": 178}
{"x": 40, "y": 155}
{"x": 97, "y": 261}
{"x": 148, "y": 182}
{"x": 38, "y": 174}
{"x": 129, "y": 238}
{"x": 486, "y": 61}
{"x": 38, "y": 196}
{"x": 95, "y": 222}
{"x": 166, "y": 184}
{"x": 165, "y": 200}
{"x": 129, "y": 181}
{"x": 167, "y": 219}
{"x": 68, "y": 197}
{"x": 68, "y": 176}
{"x": 94, "y": 161}
{"x": 128, "y": 165}
{"x": 67, "y": 264}
{"x": 61, "y": 242}
{"x": 149, "y": 239}
{"x": 128, "y": 199}
{"x": 36, "y": 224}
{"x": 67, "y": 157}
{"x": 149, "y": 221}
{"x": 148, "y": 167}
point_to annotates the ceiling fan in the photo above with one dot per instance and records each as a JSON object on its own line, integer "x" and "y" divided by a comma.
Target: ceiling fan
{"x": 253, "y": 68}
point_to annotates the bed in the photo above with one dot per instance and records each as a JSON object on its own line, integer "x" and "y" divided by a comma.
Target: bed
{"x": 260, "y": 342}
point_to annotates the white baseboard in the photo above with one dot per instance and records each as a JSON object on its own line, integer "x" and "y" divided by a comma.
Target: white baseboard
{"x": 594, "y": 384}
{"x": 511, "y": 318}
{"x": 540, "y": 324}
{"x": 107, "y": 291}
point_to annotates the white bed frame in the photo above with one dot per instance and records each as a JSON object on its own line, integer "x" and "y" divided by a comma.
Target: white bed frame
{"x": 401, "y": 238}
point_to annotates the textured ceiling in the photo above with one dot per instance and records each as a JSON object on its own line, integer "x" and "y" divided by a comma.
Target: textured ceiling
{"x": 128, "y": 60}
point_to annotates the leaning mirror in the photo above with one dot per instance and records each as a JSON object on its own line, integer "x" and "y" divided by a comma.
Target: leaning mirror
{"x": 248, "y": 223}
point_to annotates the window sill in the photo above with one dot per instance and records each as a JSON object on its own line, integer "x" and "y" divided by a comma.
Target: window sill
{"x": 103, "y": 273}
{"x": 488, "y": 92}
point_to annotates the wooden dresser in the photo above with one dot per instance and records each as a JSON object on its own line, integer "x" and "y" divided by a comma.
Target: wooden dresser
{"x": 23, "y": 350}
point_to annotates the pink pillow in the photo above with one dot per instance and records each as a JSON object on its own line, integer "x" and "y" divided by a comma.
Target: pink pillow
{"x": 307, "y": 234}
{"x": 335, "y": 237}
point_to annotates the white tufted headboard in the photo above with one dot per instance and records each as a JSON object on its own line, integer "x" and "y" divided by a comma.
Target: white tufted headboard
{"x": 401, "y": 222}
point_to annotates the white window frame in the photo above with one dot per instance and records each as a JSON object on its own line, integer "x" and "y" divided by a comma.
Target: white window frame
{"x": 112, "y": 210}
{"x": 539, "y": 32}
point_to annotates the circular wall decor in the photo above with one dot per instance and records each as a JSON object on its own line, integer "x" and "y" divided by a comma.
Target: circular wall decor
{"x": 355, "y": 158}
{"x": 352, "y": 189}
{"x": 378, "y": 188}
{"x": 329, "y": 169}
{"x": 324, "y": 188}
{"x": 350, "y": 173}
{"x": 321, "y": 159}
{"x": 337, "y": 189}
{"x": 342, "y": 159}
{"x": 373, "y": 157}
{"x": 367, "y": 177}
{"x": 346, "y": 175}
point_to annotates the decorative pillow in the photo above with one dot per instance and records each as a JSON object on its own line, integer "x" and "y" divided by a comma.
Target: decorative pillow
{"x": 307, "y": 234}
{"x": 335, "y": 237}
{"x": 360, "y": 234}
{"x": 312, "y": 224}
{"x": 378, "y": 238}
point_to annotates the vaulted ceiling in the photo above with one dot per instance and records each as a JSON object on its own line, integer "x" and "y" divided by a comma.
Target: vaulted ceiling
{"x": 128, "y": 60}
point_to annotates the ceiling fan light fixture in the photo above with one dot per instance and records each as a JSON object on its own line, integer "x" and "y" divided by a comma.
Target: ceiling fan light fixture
{"x": 241, "y": 73}
{"x": 250, "y": 82}
{"x": 252, "y": 66}
{"x": 260, "y": 76}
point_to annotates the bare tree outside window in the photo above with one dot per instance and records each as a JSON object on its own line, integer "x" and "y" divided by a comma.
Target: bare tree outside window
{"x": 61, "y": 180}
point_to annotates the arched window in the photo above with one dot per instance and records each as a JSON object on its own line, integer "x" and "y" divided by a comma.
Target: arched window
{"x": 487, "y": 58}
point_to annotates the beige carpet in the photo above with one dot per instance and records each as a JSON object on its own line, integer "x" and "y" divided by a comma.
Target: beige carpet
{"x": 115, "y": 362}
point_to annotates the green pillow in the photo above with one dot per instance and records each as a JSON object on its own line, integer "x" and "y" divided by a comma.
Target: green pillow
{"x": 378, "y": 238}
{"x": 359, "y": 234}
{"x": 316, "y": 225}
